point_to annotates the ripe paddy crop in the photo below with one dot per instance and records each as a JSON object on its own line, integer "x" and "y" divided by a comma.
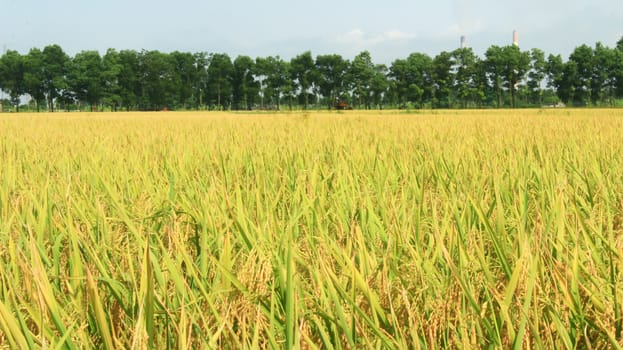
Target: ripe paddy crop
{"x": 438, "y": 229}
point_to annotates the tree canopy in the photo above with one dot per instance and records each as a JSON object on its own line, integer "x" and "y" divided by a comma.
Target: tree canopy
{"x": 151, "y": 80}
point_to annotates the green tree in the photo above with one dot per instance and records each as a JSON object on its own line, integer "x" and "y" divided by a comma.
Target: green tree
{"x": 618, "y": 69}
{"x": 331, "y": 77}
{"x": 200, "y": 88}
{"x": 273, "y": 74}
{"x": 130, "y": 86}
{"x": 302, "y": 74}
{"x": 361, "y": 77}
{"x": 413, "y": 79}
{"x": 465, "y": 71}
{"x": 495, "y": 72}
{"x": 54, "y": 65}
{"x": 12, "y": 71}
{"x": 245, "y": 87}
{"x": 442, "y": 76}
{"x": 379, "y": 85}
{"x": 34, "y": 77}
{"x": 111, "y": 77}
{"x": 604, "y": 82}
{"x": 85, "y": 77}
{"x": 219, "y": 80}
{"x": 506, "y": 68}
{"x": 263, "y": 70}
{"x": 582, "y": 58}
{"x": 111, "y": 70}
{"x": 536, "y": 75}
{"x": 518, "y": 64}
{"x": 184, "y": 78}
{"x": 156, "y": 77}
{"x": 555, "y": 68}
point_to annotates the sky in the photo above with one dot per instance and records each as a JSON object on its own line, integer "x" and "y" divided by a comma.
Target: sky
{"x": 388, "y": 29}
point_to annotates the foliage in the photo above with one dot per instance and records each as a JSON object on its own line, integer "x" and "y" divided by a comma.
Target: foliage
{"x": 331, "y": 76}
{"x": 12, "y": 76}
{"x": 245, "y": 88}
{"x": 303, "y": 73}
{"x": 275, "y": 79}
{"x": 219, "y": 81}
{"x": 152, "y": 80}
{"x": 85, "y": 77}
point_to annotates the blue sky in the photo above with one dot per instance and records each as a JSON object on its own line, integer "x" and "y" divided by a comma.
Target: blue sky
{"x": 389, "y": 29}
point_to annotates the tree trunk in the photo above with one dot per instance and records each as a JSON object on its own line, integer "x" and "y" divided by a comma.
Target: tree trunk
{"x": 306, "y": 98}
{"x": 218, "y": 97}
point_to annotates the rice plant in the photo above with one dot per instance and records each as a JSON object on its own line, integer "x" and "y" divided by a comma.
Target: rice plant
{"x": 383, "y": 230}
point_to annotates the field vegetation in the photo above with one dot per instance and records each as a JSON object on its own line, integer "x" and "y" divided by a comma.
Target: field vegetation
{"x": 437, "y": 229}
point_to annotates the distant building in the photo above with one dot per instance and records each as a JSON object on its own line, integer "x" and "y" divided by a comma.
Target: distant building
{"x": 515, "y": 38}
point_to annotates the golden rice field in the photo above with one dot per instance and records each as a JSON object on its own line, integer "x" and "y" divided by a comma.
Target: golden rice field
{"x": 377, "y": 230}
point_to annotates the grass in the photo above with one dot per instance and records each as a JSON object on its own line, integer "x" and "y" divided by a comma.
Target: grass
{"x": 384, "y": 230}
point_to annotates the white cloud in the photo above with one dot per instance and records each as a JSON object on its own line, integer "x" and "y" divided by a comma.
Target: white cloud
{"x": 359, "y": 38}
{"x": 398, "y": 35}
{"x": 466, "y": 27}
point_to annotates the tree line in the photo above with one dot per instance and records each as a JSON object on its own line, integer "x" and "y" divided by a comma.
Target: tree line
{"x": 151, "y": 80}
